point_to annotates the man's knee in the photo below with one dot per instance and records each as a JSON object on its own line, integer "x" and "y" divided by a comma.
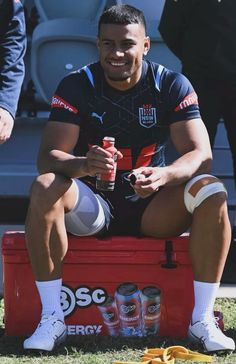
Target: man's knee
{"x": 199, "y": 188}
{"x": 48, "y": 187}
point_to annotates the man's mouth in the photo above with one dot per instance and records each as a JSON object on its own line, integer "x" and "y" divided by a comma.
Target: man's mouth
{"x": 117, "y": 64}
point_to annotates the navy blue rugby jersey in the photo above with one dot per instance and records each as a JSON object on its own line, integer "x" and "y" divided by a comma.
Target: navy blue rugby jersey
{"x": 138, "y": 118}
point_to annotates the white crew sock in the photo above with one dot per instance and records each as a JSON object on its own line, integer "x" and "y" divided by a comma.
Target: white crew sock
{"x": 205, "y": 295}
{"x": 50, "y": 295}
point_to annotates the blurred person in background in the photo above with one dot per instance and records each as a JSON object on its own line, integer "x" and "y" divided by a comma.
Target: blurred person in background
{"x": 12, "y": 50}
{"x": 202, "y": 34}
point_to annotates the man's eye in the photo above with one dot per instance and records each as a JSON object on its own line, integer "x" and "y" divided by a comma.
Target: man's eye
{"x": 128, "y": 45}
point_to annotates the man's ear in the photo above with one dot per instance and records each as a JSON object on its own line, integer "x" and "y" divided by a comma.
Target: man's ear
{"x": 146, "y": 45}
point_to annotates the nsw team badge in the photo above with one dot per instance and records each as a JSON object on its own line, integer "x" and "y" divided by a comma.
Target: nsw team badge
{"x": 147, "y": 116}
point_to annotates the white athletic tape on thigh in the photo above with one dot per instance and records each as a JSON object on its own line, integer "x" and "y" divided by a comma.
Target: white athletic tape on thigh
{"x": 87, "y": 217}
{"x": 199, "y": 188}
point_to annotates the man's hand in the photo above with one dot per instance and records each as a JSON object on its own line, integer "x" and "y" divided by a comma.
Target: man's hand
{"x": 99, "y": 160}
{"x": 6, "y": 125}
{"x": 148, "y": 180}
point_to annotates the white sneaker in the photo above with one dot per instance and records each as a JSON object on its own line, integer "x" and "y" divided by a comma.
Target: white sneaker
{"x": 50, "y": 332}
{"x": 210, "y": 336}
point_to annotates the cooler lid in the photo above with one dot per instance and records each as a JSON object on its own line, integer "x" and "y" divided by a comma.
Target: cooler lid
{"x": 16, "y": 240}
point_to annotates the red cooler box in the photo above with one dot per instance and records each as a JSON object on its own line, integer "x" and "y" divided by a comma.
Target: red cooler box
{"x": 113, "y": 286}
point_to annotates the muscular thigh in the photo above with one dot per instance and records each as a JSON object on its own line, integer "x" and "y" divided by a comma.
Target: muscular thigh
{"x": 166, "y": 214}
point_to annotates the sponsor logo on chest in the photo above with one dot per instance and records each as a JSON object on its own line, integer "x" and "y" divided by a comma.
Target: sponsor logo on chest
{"x": 147, "y": 116}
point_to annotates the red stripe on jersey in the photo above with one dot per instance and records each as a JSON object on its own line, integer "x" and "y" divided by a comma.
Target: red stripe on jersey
{"x": 59, "y": 102}
{"x": 145, "y": 156}
{"x": 125, "y": 164}
{"x": 190, "y": 99}
{"x": 144, "y": 159}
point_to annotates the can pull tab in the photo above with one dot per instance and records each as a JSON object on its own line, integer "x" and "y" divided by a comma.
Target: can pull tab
{"x": 169, "y": 256}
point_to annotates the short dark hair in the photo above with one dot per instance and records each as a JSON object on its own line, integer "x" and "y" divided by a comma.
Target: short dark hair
{"x": 122, "y": 14}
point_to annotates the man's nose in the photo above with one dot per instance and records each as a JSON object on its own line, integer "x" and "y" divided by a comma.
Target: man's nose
{"x": 118, "y": 52}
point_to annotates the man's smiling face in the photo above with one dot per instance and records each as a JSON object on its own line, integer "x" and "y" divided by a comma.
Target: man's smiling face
{"x": 121, "y": 49}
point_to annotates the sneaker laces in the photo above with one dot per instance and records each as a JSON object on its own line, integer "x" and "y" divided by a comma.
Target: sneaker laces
{"x": 212, "y": 327}
{"x": 46, "y": 319}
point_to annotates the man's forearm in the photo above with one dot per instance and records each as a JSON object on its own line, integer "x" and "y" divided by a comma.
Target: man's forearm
{"x": 186, "y": 166}
{"x": 63, "y": 163}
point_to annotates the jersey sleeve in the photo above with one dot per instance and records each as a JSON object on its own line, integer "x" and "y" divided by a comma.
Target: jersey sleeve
{"x": 182, "y": 99}
{"x": 12, "y": 51}
{"x": 68, "y": 101}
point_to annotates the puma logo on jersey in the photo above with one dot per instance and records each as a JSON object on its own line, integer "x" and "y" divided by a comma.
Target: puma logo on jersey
{"x": 99, "y": 117}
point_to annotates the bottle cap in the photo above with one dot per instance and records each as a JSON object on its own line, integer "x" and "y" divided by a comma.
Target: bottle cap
{"x": 110, "y": 139}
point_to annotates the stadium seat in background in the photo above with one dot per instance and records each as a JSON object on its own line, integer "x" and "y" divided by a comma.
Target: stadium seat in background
{"x": 59, "y": 47}
{"x": 80, "y": 9}
{"x": 63, "y": 41}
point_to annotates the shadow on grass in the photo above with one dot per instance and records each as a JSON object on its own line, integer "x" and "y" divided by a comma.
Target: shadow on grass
{"x": 12, "y": 346}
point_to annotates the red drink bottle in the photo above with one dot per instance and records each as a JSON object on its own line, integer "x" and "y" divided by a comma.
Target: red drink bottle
{"x": 106, "y": 181}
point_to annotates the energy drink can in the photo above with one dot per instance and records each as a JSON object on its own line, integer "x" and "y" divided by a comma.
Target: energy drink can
{"x": 151, "y": 310}
{"x": 110, "y": 316}
{"x": 106, "y": 181}
{"x": 129, "y": 309}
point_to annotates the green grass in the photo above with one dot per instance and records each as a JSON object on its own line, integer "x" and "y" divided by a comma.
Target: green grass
{"x": 104, "y": 350}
